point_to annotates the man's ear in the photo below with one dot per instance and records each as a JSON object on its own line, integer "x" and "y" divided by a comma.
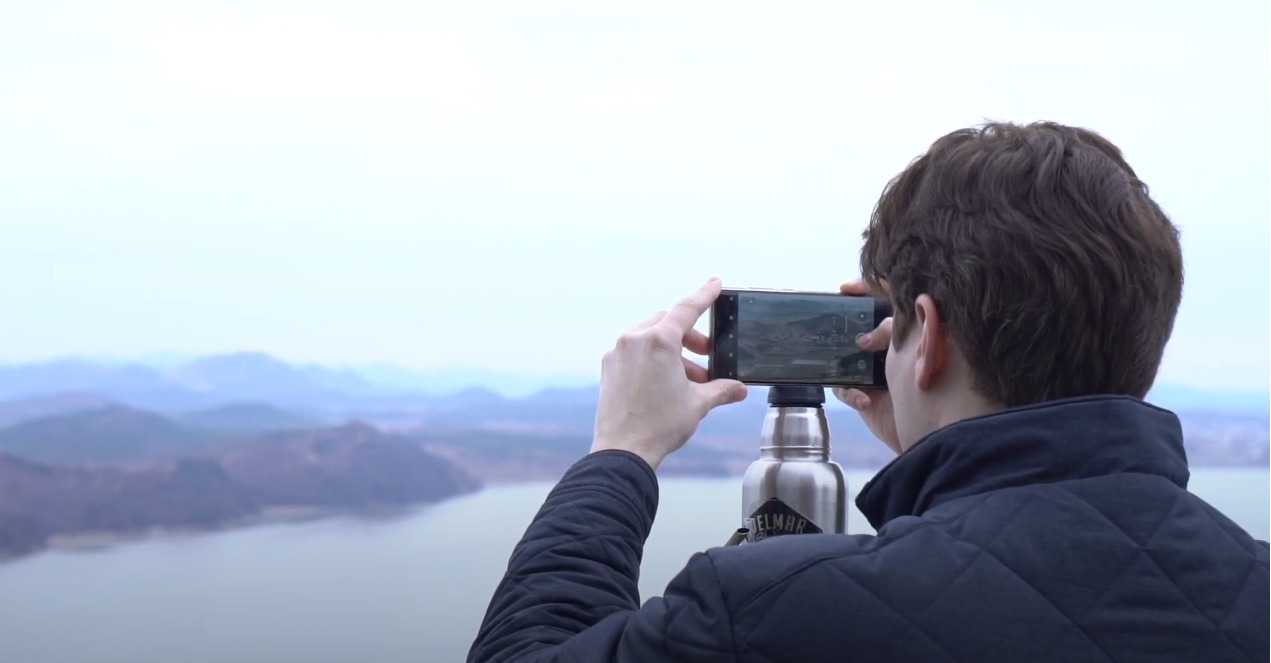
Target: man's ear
{"x": 933, "y": 346}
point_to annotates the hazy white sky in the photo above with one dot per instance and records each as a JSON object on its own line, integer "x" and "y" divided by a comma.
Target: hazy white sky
{"x": 511, "y": 184}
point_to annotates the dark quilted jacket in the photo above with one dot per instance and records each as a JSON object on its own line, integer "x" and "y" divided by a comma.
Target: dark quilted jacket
{"x": 1059, "y": 532}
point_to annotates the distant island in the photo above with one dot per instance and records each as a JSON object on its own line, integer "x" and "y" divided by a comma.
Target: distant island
{"x": 95, "y": 451}
{"x": 115, "y": 470}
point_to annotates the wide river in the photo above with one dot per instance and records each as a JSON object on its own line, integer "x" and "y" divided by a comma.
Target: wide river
{"x": 411, "y": 587}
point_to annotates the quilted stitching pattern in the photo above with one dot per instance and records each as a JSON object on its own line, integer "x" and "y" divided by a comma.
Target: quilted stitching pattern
{"x": 1029, "y": 574}
{"x": 1053, "y": 533}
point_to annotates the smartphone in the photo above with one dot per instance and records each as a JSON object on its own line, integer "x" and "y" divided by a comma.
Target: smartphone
{"x": 772, "y": 337}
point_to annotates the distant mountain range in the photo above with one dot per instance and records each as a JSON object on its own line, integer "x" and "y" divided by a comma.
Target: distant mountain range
{"x": 114, "y": 447}
{"x": 206, "y": 382}
{"x": 264, "y": 375}
{"x": 169, "y": 382}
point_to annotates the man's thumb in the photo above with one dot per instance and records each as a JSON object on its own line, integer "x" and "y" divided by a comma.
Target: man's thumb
{"x": 722, "y": 392}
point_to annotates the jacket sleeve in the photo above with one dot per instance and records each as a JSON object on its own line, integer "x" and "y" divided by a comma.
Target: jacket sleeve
{"x": 571, "y": 588}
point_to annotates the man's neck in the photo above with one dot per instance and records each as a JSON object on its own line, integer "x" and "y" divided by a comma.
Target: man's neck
{"x": 1061, "y": 440}
{"x": 959, "y": 406}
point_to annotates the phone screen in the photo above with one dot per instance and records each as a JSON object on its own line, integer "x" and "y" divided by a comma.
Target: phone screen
{"x": 785, "y": 337}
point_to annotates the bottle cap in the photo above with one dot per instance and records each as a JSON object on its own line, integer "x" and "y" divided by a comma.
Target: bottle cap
{"x": 796, "y": 395}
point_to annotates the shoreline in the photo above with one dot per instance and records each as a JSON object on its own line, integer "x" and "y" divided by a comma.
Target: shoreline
{"x": 94, "y": 541}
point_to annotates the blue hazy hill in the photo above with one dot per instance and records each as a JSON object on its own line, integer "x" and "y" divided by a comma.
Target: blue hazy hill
{"x": 1187, "y": 399}
{"x": 208, "y": 382}
{"x": 254, "y": 393}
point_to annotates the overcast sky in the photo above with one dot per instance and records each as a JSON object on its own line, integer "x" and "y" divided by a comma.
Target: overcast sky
{"x": 512, "y": 184}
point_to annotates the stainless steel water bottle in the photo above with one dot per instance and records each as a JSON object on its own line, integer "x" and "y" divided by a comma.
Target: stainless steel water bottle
{"x": 794, "y": 487}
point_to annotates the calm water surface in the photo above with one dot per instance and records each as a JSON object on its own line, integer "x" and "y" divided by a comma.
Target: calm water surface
{"x": 406, "y": 588}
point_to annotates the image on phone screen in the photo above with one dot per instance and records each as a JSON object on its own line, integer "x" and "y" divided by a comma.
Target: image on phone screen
{"x": 801, "y": 338}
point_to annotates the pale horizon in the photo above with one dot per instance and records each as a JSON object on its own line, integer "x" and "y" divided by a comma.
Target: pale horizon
{"x": 509, "y": 186}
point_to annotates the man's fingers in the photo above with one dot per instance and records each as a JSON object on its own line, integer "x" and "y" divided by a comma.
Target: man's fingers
{"x": 684, "y": 315}
{"x": 877, "y": 340}
{"x": 853, "y": 398}
{"x": 857, "y": 399}
{"x": 694, "y": 371}
{"x": 650, "y": 321}
{"x": 697, "y": 342}
{"x": 857, "y": 287}
{"x": 860, "y": 287}
{"x": 722, "y": 392}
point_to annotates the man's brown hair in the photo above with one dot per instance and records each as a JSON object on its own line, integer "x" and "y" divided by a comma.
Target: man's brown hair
{"x": 1051, "y": 267}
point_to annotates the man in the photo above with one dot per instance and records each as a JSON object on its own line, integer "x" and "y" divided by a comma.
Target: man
{"x": 1037, "y": 510}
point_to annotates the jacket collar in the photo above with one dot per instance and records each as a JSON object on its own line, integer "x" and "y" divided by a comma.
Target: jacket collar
{"x": 1055, "y": 441}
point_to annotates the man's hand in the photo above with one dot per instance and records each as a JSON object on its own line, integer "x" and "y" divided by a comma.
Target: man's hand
{"x": 874, "y": 405}
{"x": 652, "y": 397}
